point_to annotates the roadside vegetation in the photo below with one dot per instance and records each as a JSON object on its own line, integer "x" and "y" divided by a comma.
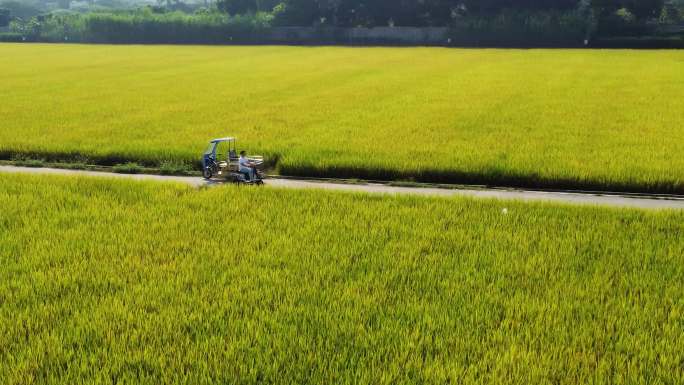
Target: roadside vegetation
{"x": 127, "y": 168}
{"x": 116, "y": 282}
{"x": 606, "y": 120}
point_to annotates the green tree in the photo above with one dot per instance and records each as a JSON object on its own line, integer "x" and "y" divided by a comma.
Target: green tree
{"x": 4, "y": 17}
{"x": 298, "y": 12}
{"x": 496, "y": 6}
{"x": 21, "y": 9}
{"x": 240, "y": 7}
{"x": 640, "y": 8}
{"x": 645, "y": 8}
{"x": 237, "y": 7}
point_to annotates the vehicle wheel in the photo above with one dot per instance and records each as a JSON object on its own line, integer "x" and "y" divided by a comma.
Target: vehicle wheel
{"x": 207, "y": 173}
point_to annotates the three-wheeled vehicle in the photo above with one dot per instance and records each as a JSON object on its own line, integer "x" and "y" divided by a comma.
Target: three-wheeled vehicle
{"x": 222, "y": 160}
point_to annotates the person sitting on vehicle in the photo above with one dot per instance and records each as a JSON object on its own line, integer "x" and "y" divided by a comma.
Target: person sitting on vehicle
{"x": 247, "y": 166}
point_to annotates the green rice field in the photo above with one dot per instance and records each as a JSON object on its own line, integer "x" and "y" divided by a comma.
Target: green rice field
{"x": 127, "y": 282}
{"x": 597, "y": 119}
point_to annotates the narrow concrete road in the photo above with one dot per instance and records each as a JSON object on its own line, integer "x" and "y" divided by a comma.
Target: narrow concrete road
{"x": 615, "y": 200}
{"x": 194, "y": 181}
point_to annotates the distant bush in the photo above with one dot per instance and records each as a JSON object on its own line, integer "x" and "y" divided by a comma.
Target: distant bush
{"x": 11, "y": 37}
{"x": 127, "y": 168}
{"x": 62, "y": 26}
{"x": 27, "y": 162}
{"x": 623, "y": 23}
{"x": 643, "y": 42}
{"x": 515, "y": 28}
{"x": 140, "y": 26}
{"x": 73, "y": 166}
{"x": 172, "y": 168}
{"x": 176, "y": 27}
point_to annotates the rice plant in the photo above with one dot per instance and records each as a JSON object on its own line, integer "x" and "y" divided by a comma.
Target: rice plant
{"x": 126, "y": 282}
{"x": 594, "y": 119}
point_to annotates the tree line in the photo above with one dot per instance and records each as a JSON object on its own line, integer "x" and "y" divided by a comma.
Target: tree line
{"x": 558, "y": 23}
{"x": 371, "y": 13}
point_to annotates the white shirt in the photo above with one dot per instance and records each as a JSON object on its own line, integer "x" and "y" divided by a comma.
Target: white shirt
{"x": 244, "y": 162}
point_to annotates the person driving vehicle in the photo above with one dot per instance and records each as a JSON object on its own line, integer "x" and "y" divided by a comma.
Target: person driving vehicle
{"x": 247, "y": 166}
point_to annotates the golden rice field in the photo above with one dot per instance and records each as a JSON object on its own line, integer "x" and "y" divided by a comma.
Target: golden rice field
{"x": 601, "y": 119}
{"x": 113, "y": 282}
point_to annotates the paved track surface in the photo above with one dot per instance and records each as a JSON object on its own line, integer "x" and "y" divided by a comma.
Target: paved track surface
{"x": 597, "y": 199}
